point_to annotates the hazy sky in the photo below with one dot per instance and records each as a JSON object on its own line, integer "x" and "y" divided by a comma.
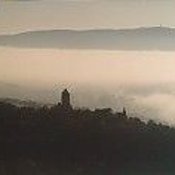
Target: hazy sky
{"x": 29, "y": 66}
{"x": 19, "y": 15}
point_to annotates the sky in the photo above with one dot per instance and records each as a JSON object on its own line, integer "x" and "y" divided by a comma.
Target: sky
{"x": 22, "y": 15}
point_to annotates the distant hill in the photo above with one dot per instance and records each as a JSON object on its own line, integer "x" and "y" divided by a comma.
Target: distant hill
{"x": 13, "y": 93}
{"x": 154, "y": 38}
{"x": 20, "y": 103}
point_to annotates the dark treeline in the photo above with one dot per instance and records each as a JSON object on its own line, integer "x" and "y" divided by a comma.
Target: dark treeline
{"x": 58, "y": 141}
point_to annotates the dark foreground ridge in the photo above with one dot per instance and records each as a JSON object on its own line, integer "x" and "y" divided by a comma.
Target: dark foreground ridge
{"x": 61, "y": 140}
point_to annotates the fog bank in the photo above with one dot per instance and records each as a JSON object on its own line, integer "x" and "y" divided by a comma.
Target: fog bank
{"x": 143, "y": 82}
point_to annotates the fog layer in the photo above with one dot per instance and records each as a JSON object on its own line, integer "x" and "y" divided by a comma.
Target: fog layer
{"x": 143, "y": 82}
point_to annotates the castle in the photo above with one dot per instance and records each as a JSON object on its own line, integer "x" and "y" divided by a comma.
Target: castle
{"x": 66, "y": 104}
{"x": 65, "y": 100}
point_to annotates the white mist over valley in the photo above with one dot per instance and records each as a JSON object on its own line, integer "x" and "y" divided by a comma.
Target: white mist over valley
{"x": 141, "y": 81}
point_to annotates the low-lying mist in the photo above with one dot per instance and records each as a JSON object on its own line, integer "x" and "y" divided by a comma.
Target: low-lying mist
{"x": 142, "y": 82}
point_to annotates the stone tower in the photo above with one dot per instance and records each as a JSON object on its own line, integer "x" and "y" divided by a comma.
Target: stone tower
{"x": 124, "y": 111}
{"x": 65, "y": 99}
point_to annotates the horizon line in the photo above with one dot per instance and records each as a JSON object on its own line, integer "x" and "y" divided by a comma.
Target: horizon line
{"x": 85, "y": 29}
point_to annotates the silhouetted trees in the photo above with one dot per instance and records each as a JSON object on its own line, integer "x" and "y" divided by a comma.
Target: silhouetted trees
{"x": 80, "y": 141}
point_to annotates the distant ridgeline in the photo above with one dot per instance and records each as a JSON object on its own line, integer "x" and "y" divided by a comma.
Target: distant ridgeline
{"x": 63, "y": 140}
{"x": 138, "y": 39}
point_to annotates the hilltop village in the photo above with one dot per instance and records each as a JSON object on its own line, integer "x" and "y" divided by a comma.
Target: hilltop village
{"x": 65, "y": 105}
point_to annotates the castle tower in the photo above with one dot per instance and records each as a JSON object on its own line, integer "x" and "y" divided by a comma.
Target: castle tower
{"x": 65, "y": 99}
{"x": 124, "y": 111}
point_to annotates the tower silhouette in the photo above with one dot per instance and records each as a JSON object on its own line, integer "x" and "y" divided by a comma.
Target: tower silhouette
{"x": 65, "y": 99}
{"x": 124, "y": 111}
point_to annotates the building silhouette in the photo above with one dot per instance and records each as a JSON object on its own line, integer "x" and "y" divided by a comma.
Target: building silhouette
{"x": 65, "y": 106}
{"x": 124, "y": 111}
{"x": 65, "y": 99}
